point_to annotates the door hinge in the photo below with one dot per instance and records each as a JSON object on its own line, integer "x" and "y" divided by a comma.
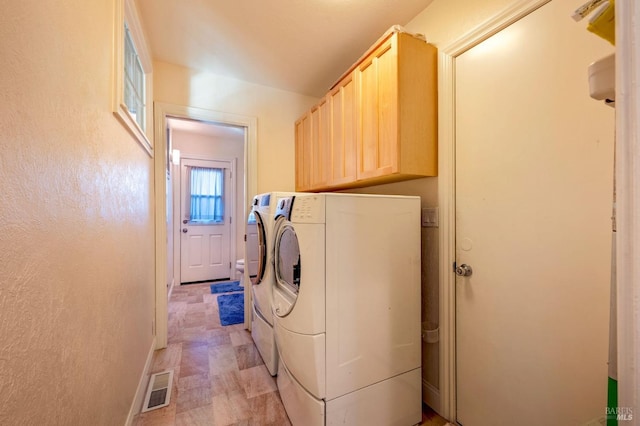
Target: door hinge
{"x": 245, "y": 238}
{"x": 229, "y": 265}
{"x": 230, "y": 219}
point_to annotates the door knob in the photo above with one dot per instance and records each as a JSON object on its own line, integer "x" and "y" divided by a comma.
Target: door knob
{"x": 464, "y": 270}
{"x": 184, "y": 230}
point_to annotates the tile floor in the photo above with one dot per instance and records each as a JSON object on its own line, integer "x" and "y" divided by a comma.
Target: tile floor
{"x": 219, "y": 376}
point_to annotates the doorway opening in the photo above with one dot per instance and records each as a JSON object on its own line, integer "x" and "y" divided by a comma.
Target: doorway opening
{"x": 171, "y": 120}
{"x": 206, "y": 185}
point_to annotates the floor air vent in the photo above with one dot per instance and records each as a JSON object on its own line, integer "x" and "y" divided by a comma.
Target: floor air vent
{"x": 159, "y": 391}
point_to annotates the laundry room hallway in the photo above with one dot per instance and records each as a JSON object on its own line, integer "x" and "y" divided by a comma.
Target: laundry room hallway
{"x": 219, "y": 376}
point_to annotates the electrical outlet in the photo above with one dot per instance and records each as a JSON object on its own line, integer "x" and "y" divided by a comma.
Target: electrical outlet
{"x": 430, "y": 217}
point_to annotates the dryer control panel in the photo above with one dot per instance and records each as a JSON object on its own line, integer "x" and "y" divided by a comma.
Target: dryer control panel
{"x": 283, "y": 207}
{"x": 308, "y": 208}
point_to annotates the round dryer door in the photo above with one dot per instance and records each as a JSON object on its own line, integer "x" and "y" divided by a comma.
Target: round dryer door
{"x": 287, "y": 261}
{"x": 256, "y": 248}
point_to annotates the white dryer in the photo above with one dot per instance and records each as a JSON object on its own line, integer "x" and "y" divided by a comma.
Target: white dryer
{"x": 259, "y": 250}
{"x": 347, "y": 308}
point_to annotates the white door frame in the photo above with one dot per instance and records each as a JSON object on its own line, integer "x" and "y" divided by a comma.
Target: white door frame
{"x": 177, "y": 240}
{"x": 161, "y": 112}
{"x": 628, "y": 197}
{"x": 446, "y": 189}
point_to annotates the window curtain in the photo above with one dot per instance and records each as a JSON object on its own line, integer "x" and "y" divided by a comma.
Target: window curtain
{"x": 207, "y": 194}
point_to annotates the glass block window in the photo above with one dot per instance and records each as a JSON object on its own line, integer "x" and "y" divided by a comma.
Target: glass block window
{"x": 134, "y": 81}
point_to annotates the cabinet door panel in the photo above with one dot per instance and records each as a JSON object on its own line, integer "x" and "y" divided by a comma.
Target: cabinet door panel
{"x": 300, "y": 163}
{"x": 324, "y": 159}
{"x": 378, "y": 126}
{"x": 306, "y": 153}
{"x": 387, "y": 113}
{"x": 343, "y": 133}
{"x": 368, "y": 119}
{"x": 320, "y": 158}
{"x": 314, "y": 148}
{"x": 349, "y": 142}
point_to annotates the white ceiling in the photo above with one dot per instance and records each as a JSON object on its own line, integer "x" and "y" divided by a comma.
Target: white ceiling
{"x": 302, "y": 46}
{"x": 213, "y": 130}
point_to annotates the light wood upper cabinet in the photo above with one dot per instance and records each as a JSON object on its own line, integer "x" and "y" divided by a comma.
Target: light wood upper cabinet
{"x": 379, "y": 123}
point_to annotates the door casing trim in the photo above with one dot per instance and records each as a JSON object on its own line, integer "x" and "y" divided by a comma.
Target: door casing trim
{"x": 627, "y": 200}
{"x": 161, "y": 112}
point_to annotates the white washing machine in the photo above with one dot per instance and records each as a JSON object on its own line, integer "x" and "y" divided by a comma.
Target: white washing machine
{"x": 347, "y": 309}
{"x": 259, "y": 250}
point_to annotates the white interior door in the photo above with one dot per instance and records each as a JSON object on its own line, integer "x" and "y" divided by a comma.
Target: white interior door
{"x": 205, "y": 227}
{"x": 534, "y": 169}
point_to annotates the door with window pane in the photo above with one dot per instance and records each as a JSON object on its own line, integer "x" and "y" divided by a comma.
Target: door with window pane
{"x": 205, "y": 220}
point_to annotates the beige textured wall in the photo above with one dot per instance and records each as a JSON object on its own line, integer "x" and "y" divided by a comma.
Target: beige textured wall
{"x": 76, "y": 223}
{"x": 445, "y": 21}
{"x": 276, "y": 111}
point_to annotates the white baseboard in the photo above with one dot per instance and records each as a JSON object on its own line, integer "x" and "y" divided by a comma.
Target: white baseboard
{"x": 136, "y": 405}
{"x": 431, "y": 396}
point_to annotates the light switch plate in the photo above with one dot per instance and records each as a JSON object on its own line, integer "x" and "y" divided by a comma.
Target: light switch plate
{"x": 430, "y": 217}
